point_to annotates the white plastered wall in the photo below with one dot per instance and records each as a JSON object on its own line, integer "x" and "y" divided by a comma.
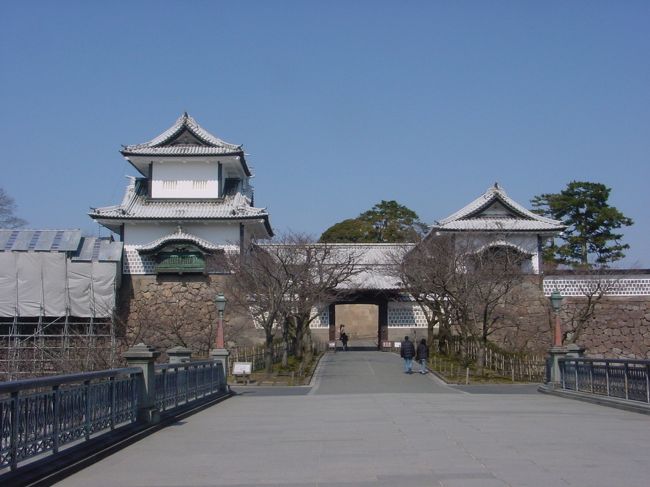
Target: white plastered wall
{"x": 185, "y": 180}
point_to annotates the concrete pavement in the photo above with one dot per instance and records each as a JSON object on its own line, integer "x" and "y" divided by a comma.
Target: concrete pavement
{"x": 366, "y": 423}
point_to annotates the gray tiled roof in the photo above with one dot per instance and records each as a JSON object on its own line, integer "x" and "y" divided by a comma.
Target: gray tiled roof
{"x": 137, "y": 206}
{"x": 180, "y": 150}
{"x": 162, "y": 144}
{"x": 375, "y": 263}
{"x": 513, "y": 218}
{"x": 185, "y": 138}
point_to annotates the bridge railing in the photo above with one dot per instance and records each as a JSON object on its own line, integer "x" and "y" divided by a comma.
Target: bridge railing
{"x": 38, "y": 416}
{"x": 617, "y": 378}
{"x": 180, "y": 384}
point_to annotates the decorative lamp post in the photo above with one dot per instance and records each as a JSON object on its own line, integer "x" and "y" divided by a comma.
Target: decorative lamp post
{"x": 557, "y": 351}
{"x": 220, "y": 300}
{"x": 556, "y": 304}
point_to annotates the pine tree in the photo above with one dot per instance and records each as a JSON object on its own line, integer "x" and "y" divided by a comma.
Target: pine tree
{"x": 590, "y": 237}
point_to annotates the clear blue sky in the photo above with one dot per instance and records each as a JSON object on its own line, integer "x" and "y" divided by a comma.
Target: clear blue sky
{"x": 341, "y": 103}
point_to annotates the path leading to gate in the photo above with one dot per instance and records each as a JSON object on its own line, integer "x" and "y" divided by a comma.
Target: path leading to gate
{"x": 365, "y": 423}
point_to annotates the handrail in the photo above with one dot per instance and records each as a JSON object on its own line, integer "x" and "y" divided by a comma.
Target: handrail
{"x": 605, "y": 360}
{"x": 183, "y": 365}
{"x": 56, "y": 380}
{"x": 627, "y": 380}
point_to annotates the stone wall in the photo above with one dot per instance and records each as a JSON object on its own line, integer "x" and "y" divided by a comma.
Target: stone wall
{"x": 619, "y": 327}
{"x": 166, "y": 311}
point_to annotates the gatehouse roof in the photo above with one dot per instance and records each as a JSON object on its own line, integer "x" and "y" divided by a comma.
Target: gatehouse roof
{"x": 495, "y": 211}
{"x": 186, "y": 138}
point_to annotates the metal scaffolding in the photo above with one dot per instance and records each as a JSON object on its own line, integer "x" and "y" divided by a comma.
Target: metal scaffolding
{"x": 57, "y": 302}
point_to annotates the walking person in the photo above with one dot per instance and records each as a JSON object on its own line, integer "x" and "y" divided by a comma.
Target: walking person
{"x": 407, "y": 352}
{"x": 343, "y": 337}
{"x": 344, "y": 340}
{"x": 422, "y": 356}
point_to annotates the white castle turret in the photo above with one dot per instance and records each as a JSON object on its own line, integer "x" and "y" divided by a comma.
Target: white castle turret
{"x": 194, "y": 201}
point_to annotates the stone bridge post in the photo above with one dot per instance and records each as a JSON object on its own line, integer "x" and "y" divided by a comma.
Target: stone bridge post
{"x": 144, "y": 357}
{"x": 220, "y": 355}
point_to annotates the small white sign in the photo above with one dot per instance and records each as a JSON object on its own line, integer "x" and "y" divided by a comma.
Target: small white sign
{"x": 242, "y": 368}
{"x": 332, "y": 344}
{"x": 397, "y": 344}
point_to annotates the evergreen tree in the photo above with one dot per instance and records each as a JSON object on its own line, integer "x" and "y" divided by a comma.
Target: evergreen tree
{"x": 386, "y": 222}
{"x": 590, "y": 237}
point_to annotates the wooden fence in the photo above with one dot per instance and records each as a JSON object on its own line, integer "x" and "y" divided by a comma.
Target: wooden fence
{"x": 255, "y": 354}
{"x": 528, "y": 367}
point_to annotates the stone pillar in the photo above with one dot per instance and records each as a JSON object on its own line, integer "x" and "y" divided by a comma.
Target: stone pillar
{"x": 179, "y": 355}
{"x": 221, "y": 355}
{"x": 555, "y": 354}
{"x": 144, "y": 357}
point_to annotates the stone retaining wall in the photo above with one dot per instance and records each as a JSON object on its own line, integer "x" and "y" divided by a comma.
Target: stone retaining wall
{"x": 620, "y": 327}
{"x": 166, "y": 311}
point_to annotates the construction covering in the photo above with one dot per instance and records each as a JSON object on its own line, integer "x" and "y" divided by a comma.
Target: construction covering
{"x": 55, "y": 283}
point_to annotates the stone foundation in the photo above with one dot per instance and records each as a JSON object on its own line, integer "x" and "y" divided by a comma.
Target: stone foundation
{"x": 620, "y": 328}
{"x": 167, "y": 311}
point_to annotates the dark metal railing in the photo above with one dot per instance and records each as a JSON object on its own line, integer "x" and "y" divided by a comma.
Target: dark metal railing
{"x": 619, "y": 378}
{"x": 39, "y": 416}
{"x": 179, "y": 384}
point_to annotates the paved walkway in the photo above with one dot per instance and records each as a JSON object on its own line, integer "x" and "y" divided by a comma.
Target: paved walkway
{"x": 365, "y": 423}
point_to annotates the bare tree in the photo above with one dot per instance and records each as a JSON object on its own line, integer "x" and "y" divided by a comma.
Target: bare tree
{"x": 7, "y": 209}
{"x": 318, "y": 273}
{"x": 429, "y": 273}
{"x": 462, "y": 286}
{"x": 259, "y": 286}
{"x": 286, "y": 283}
{"x": 493, "y": 274}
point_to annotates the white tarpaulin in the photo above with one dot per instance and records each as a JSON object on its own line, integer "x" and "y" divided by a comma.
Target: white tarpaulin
{"x": 80, "y": 288}
{"x": 103, "y": 288}
{"x": 30, "y": 284}
{"x": 8, "y": 284}
{"x": 54, "y": 278}
{"x": 49, "y": 283}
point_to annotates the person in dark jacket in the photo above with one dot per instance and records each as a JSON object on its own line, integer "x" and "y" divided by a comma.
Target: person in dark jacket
{"x": 344, "y": 340}
{"x": 407, "y": 352}
{"x": 422, "y": 356}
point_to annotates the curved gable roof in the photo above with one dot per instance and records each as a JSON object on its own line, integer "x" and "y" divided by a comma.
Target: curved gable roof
{"x": 494, "y": 210}
{"x": 186, "y": 138}
{"x": 179, "y": 236}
